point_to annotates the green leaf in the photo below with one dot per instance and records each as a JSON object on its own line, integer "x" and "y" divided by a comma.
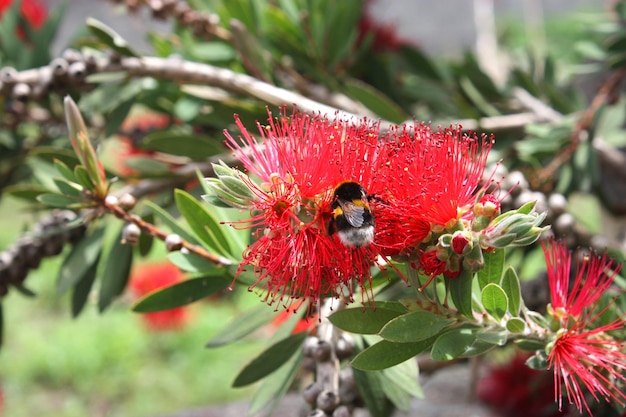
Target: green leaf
{"x": 270, "y": 360}
{"x": 82, "y": 289}
{"x": 400, "y": 384}
{"x": 69, "y": 189}
{"x": 1, "y": 321}
{"x": 170, "y": 222}
{"x": 375, "y": 101}
{"x": 64, "y": 170}
{"x": 61, "y": 201}
{"x": 386, "y": 354}
{"x": 516, "y": 325}
{"x": 512, "y": 288}
{"x": 370, "y": 387}
{"x": 117, "y": 263}
{"x": 415, "y": 326}
{"x": 493, "y": 336}
{"x": 275, "y": 386}
{"x": 363, "y": 321}
{"x": 180, "y": 294}
{"x": 191, "y": 262}
{"x": 538, "y": 363}
{"x": 453, "y": 344}
{"x": 495, "y": 301}
{"x": 419, "y": 63}
{"x": 242, "y": 325}
{"x": 82, "y": 177}
{"x": 109, "y": 37}
{"x": 202, "y": 222}
{"x": 492, "y": 271}
{"x": 461, "y": 292}
{"x": 176, "y": 143}
{"x": 28, "y": 192}
{"x": 82, "y": 256}
{"x": 530, "y": 345}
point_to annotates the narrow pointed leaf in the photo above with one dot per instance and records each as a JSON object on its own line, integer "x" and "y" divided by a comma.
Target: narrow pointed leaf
{"x": 202, "y": 222}
{"x": 461, "y": 293}
{"x": 371, "y": 390}
{"x": 109, "y": 37}
{"x": 270, "y": 360}
{"x": 117, "y": 263}
{"x": 180, "y": 294}
{"x": 512, "y": 288}
{"x": 241, "y": 326}
{"x": 82, "y": 289}
{"x": 82, "y": 256}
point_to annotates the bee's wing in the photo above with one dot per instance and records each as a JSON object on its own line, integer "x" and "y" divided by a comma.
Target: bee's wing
{"x": 355, "y": 214}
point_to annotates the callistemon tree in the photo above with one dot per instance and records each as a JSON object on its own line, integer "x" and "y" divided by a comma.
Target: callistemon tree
{"x": 290, "y": 160}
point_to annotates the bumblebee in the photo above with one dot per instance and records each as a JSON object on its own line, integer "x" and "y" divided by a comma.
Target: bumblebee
{"x": 352, "y": 217}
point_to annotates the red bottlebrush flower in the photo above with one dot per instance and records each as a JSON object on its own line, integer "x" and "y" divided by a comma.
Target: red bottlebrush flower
{"x": 151, "y": 277}
{"x": 589, "y": 359}
{"x": 304, "y": 325}
{"x": 515, "y": 390}
{"x": 431, "y": 179}
{"x": 32, "y": 11}
{"x": 300, "y": 160}
{"x": 594, "y": 275}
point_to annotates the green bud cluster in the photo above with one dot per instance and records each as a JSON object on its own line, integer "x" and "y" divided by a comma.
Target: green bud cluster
{"x": 229, "y": 188}
{"x": 519, "y": 227}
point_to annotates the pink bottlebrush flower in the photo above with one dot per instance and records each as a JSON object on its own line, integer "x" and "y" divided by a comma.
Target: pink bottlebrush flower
{"x": 593, "y": 276}
{"x": 147, "y": 278}
{"x": 583, "y": 357}
{"x": 299, "y": 161}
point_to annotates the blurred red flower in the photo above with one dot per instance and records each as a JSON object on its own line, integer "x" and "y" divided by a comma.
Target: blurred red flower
{"x": 32, "y": 11}
{"x": 147, "y": 278}
{"x": 515, "y": 390}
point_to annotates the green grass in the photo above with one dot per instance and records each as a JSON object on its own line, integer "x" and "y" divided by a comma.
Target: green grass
{"x": 109, "y": 365}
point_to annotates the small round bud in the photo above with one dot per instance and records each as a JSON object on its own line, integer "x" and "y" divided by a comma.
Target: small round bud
{"x": 111, "y": 200}
{"x": 342, "y": 411}
{"x": 309, "y": 344}
{"x": 323, "y": 351}
{"x": 327, "y": 401}
{"x": 77, "y": 71}
{"x": 21, "y": 91}
{"x": 130, "y": 234}
{"x": 344, "y": 348}
{"x": 127, "y": 201}
{"x": 564, "y": 224}
{"x": 311, "y": 392}
{"x": 71, "y": 55}
{"x": 59, "y": 67}
{"x": 8, "y": 75}
{"x": 557, "y": 204}
{"x": 173, "y": 242}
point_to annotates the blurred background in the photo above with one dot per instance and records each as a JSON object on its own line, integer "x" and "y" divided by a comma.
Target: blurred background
{"x": 122, "y": 364}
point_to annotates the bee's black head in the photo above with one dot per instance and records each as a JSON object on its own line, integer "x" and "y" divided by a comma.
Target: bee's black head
{"x": 350, "y": 190}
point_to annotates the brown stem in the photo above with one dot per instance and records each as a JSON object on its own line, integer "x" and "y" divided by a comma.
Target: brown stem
{"x": 605, "y": 94}
{"x": 159, "y": 234}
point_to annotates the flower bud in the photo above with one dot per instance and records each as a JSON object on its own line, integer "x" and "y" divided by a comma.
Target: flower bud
{"x": 462, "y": 242}
{"x": 173, "y": 242}
{"x": 327, "y": 401}
{"x": 130, "y": 234}
{"x": 515, "y": 228}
